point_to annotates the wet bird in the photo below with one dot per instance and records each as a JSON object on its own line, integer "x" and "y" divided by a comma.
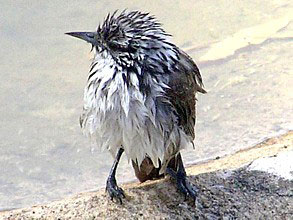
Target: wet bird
{"x": 140, "y": 98}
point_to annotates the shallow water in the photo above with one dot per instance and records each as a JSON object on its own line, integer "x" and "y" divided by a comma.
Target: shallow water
{"x": 244, "y": 52}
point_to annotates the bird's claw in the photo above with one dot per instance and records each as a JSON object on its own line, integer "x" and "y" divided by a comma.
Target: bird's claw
{"x": 183, "y": 185}
{"x": 114, "y": 191}
{"x": 187, "y": 188}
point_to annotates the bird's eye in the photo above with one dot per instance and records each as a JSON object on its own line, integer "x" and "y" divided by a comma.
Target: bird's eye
{"x": 113, "y": 45}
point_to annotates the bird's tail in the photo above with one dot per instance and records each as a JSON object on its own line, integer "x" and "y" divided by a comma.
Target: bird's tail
{"x": 147, "y": 170}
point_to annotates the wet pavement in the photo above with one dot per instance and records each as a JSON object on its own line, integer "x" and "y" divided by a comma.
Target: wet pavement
{"x": 244, "y": 52}
{"x": 261, "y": 189}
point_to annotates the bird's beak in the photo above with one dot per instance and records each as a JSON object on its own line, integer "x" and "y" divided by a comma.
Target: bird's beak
{"x": 90, "y": 37}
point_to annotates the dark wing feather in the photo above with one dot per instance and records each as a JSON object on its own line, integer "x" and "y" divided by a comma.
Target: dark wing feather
{"x": 184, "y": 82}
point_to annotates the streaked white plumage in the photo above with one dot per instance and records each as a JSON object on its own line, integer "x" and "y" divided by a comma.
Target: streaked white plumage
{"x": 116, "y": 114}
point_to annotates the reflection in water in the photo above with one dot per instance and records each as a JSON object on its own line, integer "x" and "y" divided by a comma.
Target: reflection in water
{"x": 43, "y": 153}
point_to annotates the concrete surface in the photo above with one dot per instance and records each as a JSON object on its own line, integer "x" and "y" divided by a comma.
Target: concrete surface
{"x": 251, "y": 191}
{"x": 280, "y": 165}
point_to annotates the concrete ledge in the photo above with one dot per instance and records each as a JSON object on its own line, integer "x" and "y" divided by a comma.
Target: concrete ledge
{"x": 230, "y": 187}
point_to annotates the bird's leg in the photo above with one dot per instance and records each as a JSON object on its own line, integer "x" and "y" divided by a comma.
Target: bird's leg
{"x": 111, "y": 186}
{"x": 183, "y": 185}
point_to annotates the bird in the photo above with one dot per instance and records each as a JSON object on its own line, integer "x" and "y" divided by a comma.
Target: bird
{"x": 140, "y": 98}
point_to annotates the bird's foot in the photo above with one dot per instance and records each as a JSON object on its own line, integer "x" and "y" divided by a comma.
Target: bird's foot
{"x": 114, "y": 191}
{"x": 183, "y": 185}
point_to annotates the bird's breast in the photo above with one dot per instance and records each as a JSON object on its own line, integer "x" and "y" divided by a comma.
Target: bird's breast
{"x": 116, "y": 112}
{"x": 110, "y": 88}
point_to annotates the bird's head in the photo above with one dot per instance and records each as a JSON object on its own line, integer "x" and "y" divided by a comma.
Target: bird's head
{"x": 127, "y": 37}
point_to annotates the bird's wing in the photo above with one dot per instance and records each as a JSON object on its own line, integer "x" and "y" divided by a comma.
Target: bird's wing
{"x": 184, "y": 82}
